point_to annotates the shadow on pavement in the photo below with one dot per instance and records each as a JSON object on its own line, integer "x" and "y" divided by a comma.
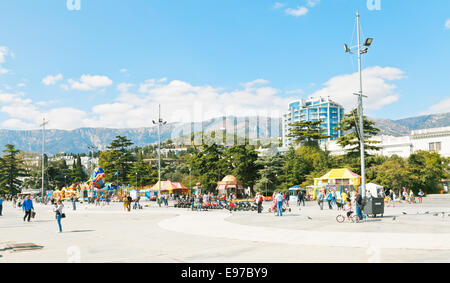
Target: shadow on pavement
{"x": 80, "y": 231}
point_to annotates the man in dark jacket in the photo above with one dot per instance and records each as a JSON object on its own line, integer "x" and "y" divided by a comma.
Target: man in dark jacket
{"x": 359, "y": 206}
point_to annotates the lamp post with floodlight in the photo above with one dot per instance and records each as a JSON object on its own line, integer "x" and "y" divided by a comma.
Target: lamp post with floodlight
{"x": 361, "y": 49}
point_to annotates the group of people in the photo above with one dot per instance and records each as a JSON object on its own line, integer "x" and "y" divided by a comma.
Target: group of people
{"x": 278, "y": 201}
{"x": 405, "y": 196}
{"x": 27, "y": 206}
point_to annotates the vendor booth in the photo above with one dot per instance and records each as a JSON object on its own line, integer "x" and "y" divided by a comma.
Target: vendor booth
{"x": 339, "y": 180}
{"x": 230, "y": 185}
{"x": 175, "y": 188}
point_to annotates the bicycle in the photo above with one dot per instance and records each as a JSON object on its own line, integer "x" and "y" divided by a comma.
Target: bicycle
{"x": 341, "y": 218}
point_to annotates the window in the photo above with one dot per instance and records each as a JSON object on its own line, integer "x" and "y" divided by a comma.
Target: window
{"x": 435, "y": 146}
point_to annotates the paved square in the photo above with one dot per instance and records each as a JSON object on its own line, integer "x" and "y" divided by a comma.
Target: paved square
{"x": 109, "y": 234}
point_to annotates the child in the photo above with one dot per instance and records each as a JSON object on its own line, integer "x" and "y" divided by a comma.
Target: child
{"x": 349, "y": 209}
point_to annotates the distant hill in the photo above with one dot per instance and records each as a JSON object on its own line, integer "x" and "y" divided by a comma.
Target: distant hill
{"x": 405, "y": 126}
{"x": 78, "y": 141}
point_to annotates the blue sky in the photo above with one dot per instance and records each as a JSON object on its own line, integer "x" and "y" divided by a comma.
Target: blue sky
{"x": 111, "y": 62}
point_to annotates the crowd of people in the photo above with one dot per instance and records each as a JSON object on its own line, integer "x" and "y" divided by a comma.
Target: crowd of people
{"x": 350, "y": 202}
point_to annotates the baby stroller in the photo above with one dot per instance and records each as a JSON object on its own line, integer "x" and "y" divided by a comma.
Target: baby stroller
{"x": 137, "y": 205}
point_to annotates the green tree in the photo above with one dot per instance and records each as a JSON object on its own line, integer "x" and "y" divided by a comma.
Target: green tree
{"x": 271, "y": 169}
{"x": 351, "y": 139}
{"x": 142, "y": 173}
{"x": 427, "y": 170}
{"x": 11, "y": 169}
{"x": 240, "y": 161}
{"x": 394, "y": 173}
{"x": 77, "y": 173}
{"x": 207, "y": 165}
{"x": 118, "y": 158}
{"x": 307, "y": 132}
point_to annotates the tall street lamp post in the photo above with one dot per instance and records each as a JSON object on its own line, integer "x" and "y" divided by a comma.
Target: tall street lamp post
{"x": 43, "y": 154}
{"x": 159, "y": 123}
{"x": 361, "y": 49}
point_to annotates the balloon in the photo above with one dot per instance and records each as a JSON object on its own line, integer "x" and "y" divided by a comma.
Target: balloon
{"x": 97, "y": 178}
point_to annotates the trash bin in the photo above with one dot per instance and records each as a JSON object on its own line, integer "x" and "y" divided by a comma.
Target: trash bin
{"x": 374, "y": 206}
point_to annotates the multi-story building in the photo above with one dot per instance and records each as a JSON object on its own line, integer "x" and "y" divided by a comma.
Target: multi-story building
{"x": 434, "y": 139}
{"x": 314, "y": 109}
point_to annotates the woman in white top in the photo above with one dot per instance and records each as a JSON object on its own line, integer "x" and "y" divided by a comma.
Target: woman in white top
{"x": 59, "y": 214}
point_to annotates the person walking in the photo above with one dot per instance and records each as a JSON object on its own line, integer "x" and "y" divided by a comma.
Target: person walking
{"x": 199, "y": 202}
{"x": 320, "y": 199}
{"x": 28, "y": 207}
{"x": 274, "y": 203}
{"x": 259, "y": 199}
{"x": 301, "y": 198}
{"x": 74, "y": 201}
{"x": 1, "y": 205}
{"x": 129, "y": 200}
{"x": 420, "y": 194}
{"x": 359, "y": 206}
{"x": 279, "y": 199}
{"x": 166, "y": 200}
{"x": 330, "y": 200}
{"x": 59, "y": 214}
{"x": 411, "y": 197}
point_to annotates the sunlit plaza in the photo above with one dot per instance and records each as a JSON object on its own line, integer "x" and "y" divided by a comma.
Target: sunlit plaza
{"x": 406, "y": 233}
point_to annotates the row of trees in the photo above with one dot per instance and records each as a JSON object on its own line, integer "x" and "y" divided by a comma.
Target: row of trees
{"x": 125, "y": 163}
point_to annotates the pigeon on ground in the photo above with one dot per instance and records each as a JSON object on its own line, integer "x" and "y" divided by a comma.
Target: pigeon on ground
{"x": 309, "y": 218}
{"x": 404, "y": 212}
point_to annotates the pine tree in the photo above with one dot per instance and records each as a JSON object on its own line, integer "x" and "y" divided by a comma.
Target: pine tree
{"x": 307, "y": 133}
{"x": 351, "y": 139}
{"x": 11, "y": 169}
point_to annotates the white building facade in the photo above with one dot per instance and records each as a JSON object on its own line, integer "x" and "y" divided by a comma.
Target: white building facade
{"x": 435, "y": 139}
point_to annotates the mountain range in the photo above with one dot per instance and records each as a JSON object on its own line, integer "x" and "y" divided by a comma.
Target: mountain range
{"x": 78, "y": 141}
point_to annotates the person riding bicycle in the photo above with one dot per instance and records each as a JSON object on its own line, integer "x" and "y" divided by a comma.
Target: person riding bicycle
{"x": 348, "y": 207}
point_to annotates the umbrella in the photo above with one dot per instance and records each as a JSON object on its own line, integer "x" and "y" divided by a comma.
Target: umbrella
{"x": 295, "y": 188}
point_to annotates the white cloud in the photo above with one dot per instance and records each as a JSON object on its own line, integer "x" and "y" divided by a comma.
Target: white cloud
{"x": 278, "y": 5}
{"x": 123, "y": 87}
{"x": 255, "y": 83}
{"x": 295, "y": 91}
{"x": 441, "y": 107}
{"x": 52, "y": 80}
{"x": 312, "y": 3}
{"x": 17, "y": 124}
{"x": 3, "y": 71}
{"x": 375, "y": 85}
{"x": 298, "y": 12}
{"x": 88, "y": 82}
{"x": 136, "y": 105}
{"x": 123, "y": 70}
{"x": 4, "y": 52}
{"x": 447, "y": 24}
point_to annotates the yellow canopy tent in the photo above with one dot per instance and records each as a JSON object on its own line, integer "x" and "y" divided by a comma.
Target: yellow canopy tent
{"x": 337, "y": 177}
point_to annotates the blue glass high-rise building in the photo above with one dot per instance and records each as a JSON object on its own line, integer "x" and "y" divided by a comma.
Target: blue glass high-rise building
{"x": 314, "y": 109}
